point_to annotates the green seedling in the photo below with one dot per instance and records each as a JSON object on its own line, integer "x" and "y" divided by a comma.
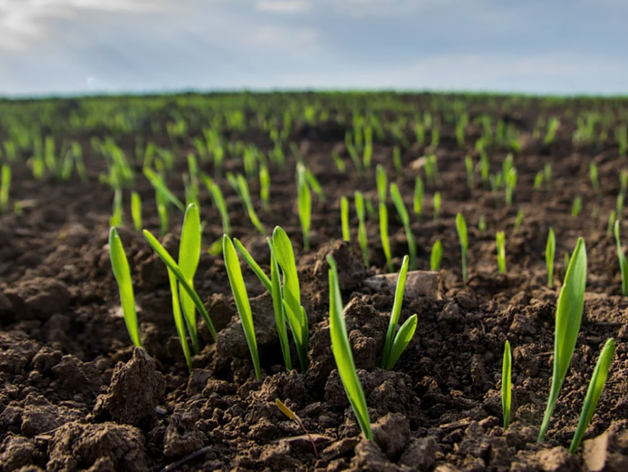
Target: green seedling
{"x": 264, "y": 187}
{"x": 611, "y": 223}
{"x": 469, "y": 166}
{"x": 595, "y": 181}
{"x": 436, "y": 255}
{"x": 518, "y": 220}
{"x": 538, "y": 180}
{"x": 418, "y": 197}
{"x": 596, "y": 386}
{"x": 507, "y": 384}
{"x": 619, "y": 206}
{"x": 179, "y": 320}
{"x": 136, "y": 211}
{"x": 568, "y": 316}
{"x": 370, "y": 209}
{"x": 500, "y": 241}
{"x": 382, "y": 183}
{"x": 167, "y": 259}
{"x": 552, "y": 127}
{"x": 340, "y": 163}
{"x": 305, "y": 205}
{"x": 511, "y": 182}
{"x": 341, "y": 348}
{"x": 158, "y": 183}
{"x": 623, "y": 263}
{"x": 383, "y": 232}
{"x": 314, "y": 184}
{"x": 5, "y": 185}
{"x": 461, "y": 227}
{"x": 482, "y": 224}
{"x": 295, "y": 313}
{"x": 547, "y": 172}
{"x": 245, "y": 196}
{"x": 344, "y": 218}
{"x": 122, "y": 273}
{"x": 162, "y": 212}
{"x": 189, "y": 256}
{"x": 576, "y": 208}
{"x": 191, "y": 187}
{"x": 397, "y": 164}
{"x": 396, "y": 342}
{"x": 405, "y": 220}
{"x": 116, "y": 216}
{"x": 362, "y": 236}
{"x": 293, "y": 416}
{"x": 437, "y": 205}
{"x": 550, "y": 251}
{"x": 241, "y": 297}
{"x": 278, "y": 307}
{"x": 219, "y": 201}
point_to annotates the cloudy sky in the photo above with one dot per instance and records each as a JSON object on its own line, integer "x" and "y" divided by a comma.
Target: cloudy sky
{"x": 535, "y": 46}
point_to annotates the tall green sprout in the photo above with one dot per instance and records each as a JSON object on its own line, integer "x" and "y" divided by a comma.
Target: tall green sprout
{"x": 136, "y": 211}
{"x": 568, "y": 317}
{"x": 550, "y": 251}
{"x": 304, "y": 200}
{"x": 189, "y": 256}
{"x": 593, "y": 174}
{"x": 396, "y": 342}
{"x": 241, "y": 297}
{"x": 341, "y": 348}
{"x": 362, "y": 236}
{"x": 405, "y": 220}
{"x": 219, "y": 201}
{"x": 500, "y": 242}
{"x": 623, "y": 263}
{"x": 461, "y": 227}
{"x": 264, "y": 187}
{"x": 5, "y": 185}
{"x": 436, "y": 255}
{"x": 418, "y": 197}
{"x": 245, "y": 196}
{"x": 437, "y": 205}
{"x": 344, "y": 218}
{"x": 507, "y": 384}
{"x": 122, "y": 273}
{"x": 382, "y": 186}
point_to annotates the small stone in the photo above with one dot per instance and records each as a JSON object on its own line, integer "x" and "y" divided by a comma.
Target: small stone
{"x": 420, "y": 454}
{"x": 392, "y": 433}
{"x": 557, "y": 459}
{"x": 418, "y": 283}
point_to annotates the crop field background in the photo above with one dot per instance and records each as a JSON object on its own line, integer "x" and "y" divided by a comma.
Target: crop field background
{"x": 366, "y": 178}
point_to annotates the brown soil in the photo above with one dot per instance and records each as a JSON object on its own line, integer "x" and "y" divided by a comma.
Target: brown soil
{"x": 74, "y": 394}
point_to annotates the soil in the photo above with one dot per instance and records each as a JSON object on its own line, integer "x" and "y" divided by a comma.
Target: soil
{"x": 75, "y": 395}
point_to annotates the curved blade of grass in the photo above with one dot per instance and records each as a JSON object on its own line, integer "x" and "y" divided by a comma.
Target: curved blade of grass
{"x": 383, "y": 233}
{"x": 122, "y": 273}
{"x": 280, "y": 315}
{"x": 437, "y": 255}
{"x": 623, "y": 263}
{"x": 550, "y": 250}
{"x": 292, "y": 294}
{"x": 174, "y": 267}
{"x": 248, "y": 204}
{"x": 305, "y": 212}
{"x": 136, "y": 211}
{"x": 396, "y": 311}
{"x": 500, "y": 242}
{"x": 382, "y": 183}
{"x": 158, "y": 183}
{"x": 219, "y": 201}
{"x": 596, "y": 386}
{"x": 234, "y": 272}
{"x": 405, "y": 220}
{"x": 362, "y": 235}
{"x": 179, "y": 321}
{"x": 344, "y": 218}
{"x": 402, "y": 339}
{"x": 461, "y": 227}
{"x": 189, "y": 256}
{"x": 343, "y": 356}
{"x": 507, "y": 384}
{"x": 568, "y": 317}
{"x": 253, "y": 265}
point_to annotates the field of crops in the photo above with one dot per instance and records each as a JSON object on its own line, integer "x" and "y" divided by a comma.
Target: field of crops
{"x": 243, "y": 241}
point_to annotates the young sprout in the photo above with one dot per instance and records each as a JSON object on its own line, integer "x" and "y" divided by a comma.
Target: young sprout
{"x": 5, "y": 185}
{"x": 436, "y": 255}
{"x": 595, "y": 181}
{"x": 482, "y": 224}
{"x": 241, "y": 297}
{"x": 293, "y": 416}
{"x": 192, "y": 182}
{"x": 136, "y": 211}
{"x": 396, "y": 344}
{"x": 405, "y": 220}
{"x": 550, "y": 250}
{"x": 264, "y": 187}
{"x": 619, "y": 207}
{"x": 623, "y": 263}
{"x": 344, "y": 218}
{"x": 189, "y": 256}
{"x": 382, "y": 186}
{"x": 396, "y": 158}
{"x": 596, "y": 386}
{"x": 295, "y": 313}
{"x": 304, "y": 197}
{"x": 362, "y": 236}
{"x": 547, "y": 172}
{"x": 179, "y": 320}
{"x": 116, "y": 216}
{"x": 437, "y": 205}
{"x": 468, "y": 163}
{"x": 461, "y": 227}
{"x": 219, "y": 201}
{"x": 568, "y": 316}
{"x": 278, "y": 307}
{"x": 122, "y": 273}
{"x": 340, "y": 164}
{"x": 418, "y": 197}
{"x": 538, "y": 180}
{"x": 161, "y": 188}
{"x": 341, "y": 348}
{"x": 500, "y": 241}
{"x": 518, "y": 220}
{"x": 511, "y": 182}
{"x": 611, "y": 223}
{"x": 245, "y": 196}
{"x": 314, "y": 184}
{"x": 507, "y": 384}
{"x": 576, "y": 208}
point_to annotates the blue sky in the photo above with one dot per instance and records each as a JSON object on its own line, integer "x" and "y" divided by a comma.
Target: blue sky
{"x": 535, "y": 46}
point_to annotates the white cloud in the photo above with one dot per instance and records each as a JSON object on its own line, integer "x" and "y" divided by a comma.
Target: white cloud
{"x": 283, "y": 6}
{"x": 271, "y": 39}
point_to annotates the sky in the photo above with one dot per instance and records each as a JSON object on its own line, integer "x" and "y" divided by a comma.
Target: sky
{"x": 61, "y": 47}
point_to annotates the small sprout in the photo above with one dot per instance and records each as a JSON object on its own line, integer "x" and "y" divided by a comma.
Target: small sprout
{"x": 405, "y": 220}
{"x": 469, "y": 166}
{"x": 507, "y": 384}
{"x": 340, "y": 164}
{"x": 511, "y": 182}
{"x": 518, "y": 220}
{"x": 500, "y": 241}
{"x": 264, "y": 187}
{"x": 538, "y": 180}
{"x": 568, "y": 316}
{"x": 383, "y": 232}
{"x": 436, "y": 255}
{"x": 418, "y": 197}
{"x": 241, "y": 297}
{"x": 482, "y": 224}
{"x": 461, "y": 227}
{"x": 547, "y": 172}
{"x": 219, "y": 201}
{"x": 116, "y": 216}
{"x": 550, "y": 250}
{"x": 596, "y": 386}
{"x": 619, "y": 207}
{"x": 293, "y": 416}
{"x": 280, "y": 312}
{"x": 341, "y": 348}
{"x": 122, "y": 273}
{"x": 396, "y": 158}
{"x": 136, "y": 211}
{"x": 611, "y": 223}
{"x": 595, "y": 180}
{"x": 437, "y": 205}
{"x": 5, "y": 185}
{"x": 362, "y": 236}
{"x": 576, "y": 208}
{"x": 344, "y": 218}
{"x": 245, "y": 196}
{"x": 623, "y": 263}
{"x": 179, "y": 320}
{"x": 304, "y": 196}
{"x": 189, "y": 256}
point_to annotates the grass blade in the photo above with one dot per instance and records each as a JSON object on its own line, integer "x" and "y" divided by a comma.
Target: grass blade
{"x": 253, "y": 265}
{"x": 402, "y": 339}
{"x": 396, "y": 311}
{"x": 507, "y": 384}
{"x": 550, "y": 251}
{"x": 623, "y": 263}
{"x": 179, "y": 320}
{"x": 343, "y": 356}
{"x": 280, "y": 314}
{"x": 189, "y": 256}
